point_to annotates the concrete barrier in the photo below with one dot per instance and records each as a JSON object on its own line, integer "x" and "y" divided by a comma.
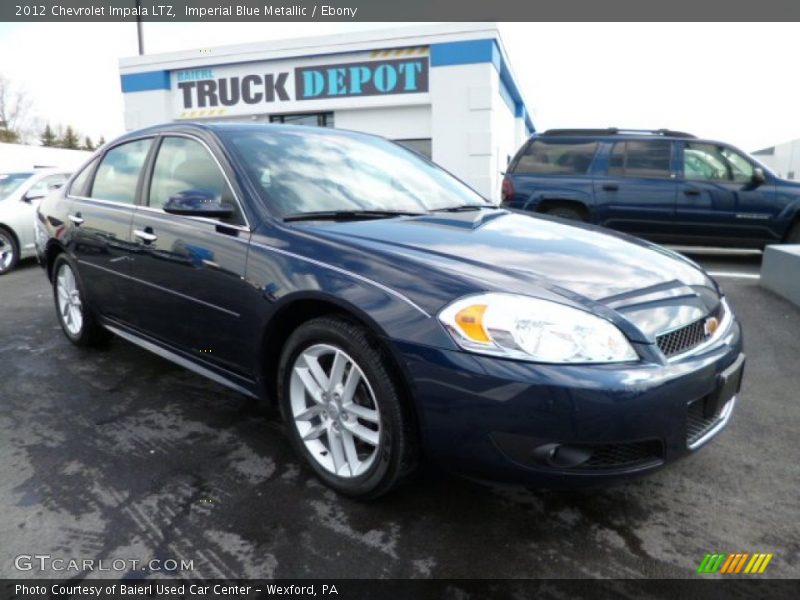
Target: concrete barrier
{"x": 780, "y": 271}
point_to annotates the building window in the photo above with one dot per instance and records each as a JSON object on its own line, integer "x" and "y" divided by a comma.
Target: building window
{"x": 316, "y": 119}
{"x": 421, "y": 146}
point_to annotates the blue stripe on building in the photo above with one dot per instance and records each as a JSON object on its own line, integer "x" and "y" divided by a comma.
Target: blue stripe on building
{"x": 145, "y": 82}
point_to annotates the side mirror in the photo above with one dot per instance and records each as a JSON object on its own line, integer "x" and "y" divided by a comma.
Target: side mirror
{"x": 32, "y": 195}
{"x": 759, "y": 176}
{"x": 198, "y": 203}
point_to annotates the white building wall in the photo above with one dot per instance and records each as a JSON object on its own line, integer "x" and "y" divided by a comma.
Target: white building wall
{"x": 462, "y": 105}
{"x": 143, "y": 109}
{"x": 396, "y": 122}
{"x": 785, "y": 161}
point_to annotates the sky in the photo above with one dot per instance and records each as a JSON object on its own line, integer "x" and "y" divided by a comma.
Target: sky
{"x": 735, "y": 82}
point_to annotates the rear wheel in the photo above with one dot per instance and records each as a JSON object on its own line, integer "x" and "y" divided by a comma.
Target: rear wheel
{"x": 76, "y": 319}
{"x": 566, "y": 212}
{"x": 9, "y": 251}
{"x": 344, "y": 409}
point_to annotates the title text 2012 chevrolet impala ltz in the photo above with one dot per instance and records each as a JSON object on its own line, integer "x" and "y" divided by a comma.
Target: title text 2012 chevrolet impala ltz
{"x": 389, "y": 310}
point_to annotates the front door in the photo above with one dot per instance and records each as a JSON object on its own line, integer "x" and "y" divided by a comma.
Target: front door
{"x": 720, "y": 198}
{"x": 191, "y": 271}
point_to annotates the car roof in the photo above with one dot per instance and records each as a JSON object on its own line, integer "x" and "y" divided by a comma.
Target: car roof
{"x": 617, "y": 132}
{"x": 217, "y": 127}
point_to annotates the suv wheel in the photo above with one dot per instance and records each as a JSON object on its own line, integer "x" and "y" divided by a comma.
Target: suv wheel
{"x": 77, "y": 321}
{"x": 9, "y": 251}
{"x": 566, "y": 212}
{"x": 343, "y": 408}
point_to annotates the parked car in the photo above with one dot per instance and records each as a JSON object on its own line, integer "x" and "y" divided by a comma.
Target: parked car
{"x": 20, "y": 193}
{"x": 663, "y": 185}
{"x": 388, "y": 309}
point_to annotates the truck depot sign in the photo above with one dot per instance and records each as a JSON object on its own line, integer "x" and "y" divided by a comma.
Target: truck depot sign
{"x": 247, "y": 87}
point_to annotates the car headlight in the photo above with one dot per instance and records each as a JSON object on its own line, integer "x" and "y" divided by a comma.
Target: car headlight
{"x": 533, "y": 329}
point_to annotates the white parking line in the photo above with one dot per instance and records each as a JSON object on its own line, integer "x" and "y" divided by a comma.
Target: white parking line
{"x": 734, "y": 275}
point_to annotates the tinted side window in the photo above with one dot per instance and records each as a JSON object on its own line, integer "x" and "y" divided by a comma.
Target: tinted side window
{"x": 80, "y": 183}
{"x": 707, "y": 162}
{"x": 557, "y": 157}
{"x": 118, "y": 174}
{"x": 185, "y": 164}
{"x": 640, "y": 158}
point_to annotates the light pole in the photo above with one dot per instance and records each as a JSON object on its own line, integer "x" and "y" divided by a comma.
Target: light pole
{"x": 139, "y": 26}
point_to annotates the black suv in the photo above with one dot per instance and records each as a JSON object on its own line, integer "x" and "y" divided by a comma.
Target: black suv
{"x": 663, "y": 185}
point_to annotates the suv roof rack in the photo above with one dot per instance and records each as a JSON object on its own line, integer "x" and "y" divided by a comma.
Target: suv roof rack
{"x": 618, "y": 131}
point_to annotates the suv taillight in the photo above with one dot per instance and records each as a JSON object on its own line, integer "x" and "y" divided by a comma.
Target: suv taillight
{"x": 507, "y": 190}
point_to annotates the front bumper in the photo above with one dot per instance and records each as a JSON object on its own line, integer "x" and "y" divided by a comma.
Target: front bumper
{"x": 493, "y": 419}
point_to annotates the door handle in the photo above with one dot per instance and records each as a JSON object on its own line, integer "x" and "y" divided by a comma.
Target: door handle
{"x": 610, "y": 187}
{"x": 76, "y": 218}
{"x": 691, "y": 192}
{"x": 145, "y": 236}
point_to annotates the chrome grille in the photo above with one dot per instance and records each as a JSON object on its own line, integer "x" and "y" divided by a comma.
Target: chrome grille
{"x": 698, "y": 424}
{"x": 683, "y": 339}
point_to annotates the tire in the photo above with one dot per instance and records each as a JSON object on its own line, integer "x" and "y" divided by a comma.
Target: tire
{"x": 793, "y": 237}
{"x": 365, "y": 464}
{"x": 566, "y": 212}
{"x": 9, "y": 251}
{"x": 76, "y": 319}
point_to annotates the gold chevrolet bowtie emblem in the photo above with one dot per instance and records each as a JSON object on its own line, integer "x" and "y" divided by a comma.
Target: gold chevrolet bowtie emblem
{"x": 711, "y": 325}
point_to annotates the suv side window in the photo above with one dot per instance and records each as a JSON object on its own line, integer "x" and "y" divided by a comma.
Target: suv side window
{"x": 118, "y": 173}
{"x": 557, "y": 157}
{"x": 640, "y": 158}
{"x": 709, "y": 162}
{"x": 185, "y": 164}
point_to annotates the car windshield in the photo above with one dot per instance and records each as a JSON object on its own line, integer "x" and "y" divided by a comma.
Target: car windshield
{"x": 306, "y": 170}
{"x": 10, "y": 182}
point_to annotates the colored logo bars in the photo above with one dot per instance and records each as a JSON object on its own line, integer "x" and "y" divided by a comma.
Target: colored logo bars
{"x": 721, "y": 562}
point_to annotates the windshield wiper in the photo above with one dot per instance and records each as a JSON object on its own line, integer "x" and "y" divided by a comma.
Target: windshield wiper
{"x": 464, "y": 208}
{"x": 344, "y": 215}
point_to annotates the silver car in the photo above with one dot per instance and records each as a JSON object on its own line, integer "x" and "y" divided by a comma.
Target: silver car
{"x": 20, "y": 193}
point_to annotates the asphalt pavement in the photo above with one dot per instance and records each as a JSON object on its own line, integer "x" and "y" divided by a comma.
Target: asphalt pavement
{"x": 118, "y": 454}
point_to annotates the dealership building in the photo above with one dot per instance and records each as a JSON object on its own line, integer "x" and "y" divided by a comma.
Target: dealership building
{"x": 446, "y": 91}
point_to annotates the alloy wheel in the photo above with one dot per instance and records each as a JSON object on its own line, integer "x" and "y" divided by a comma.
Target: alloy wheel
{"x": 70, "y": 306}
{"x": 6, "y": 251}
{"x": 334, "y": 410}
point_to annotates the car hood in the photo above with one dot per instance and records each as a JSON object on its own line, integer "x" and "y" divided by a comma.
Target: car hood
{"x": 651, "y": 287}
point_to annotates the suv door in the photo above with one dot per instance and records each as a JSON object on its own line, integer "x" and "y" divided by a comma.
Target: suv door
{"x": 190, "y": 269}
{"x": 720, "y": 198}
{"x": 101, "y": 203}
{"x": 637, "y": 192}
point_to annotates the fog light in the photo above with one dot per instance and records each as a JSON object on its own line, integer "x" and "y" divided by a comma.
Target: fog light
{"x": 561, "y": 456}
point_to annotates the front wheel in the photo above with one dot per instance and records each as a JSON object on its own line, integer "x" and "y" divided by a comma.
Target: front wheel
{"x": 344, "y": 409}
{"x": 77, "y": 321}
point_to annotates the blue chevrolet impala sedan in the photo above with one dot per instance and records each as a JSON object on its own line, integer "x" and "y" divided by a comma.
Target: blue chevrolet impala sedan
{"x": 390, "y": 311}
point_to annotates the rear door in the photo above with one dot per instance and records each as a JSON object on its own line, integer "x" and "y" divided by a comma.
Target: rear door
{"x": 636, "y": 193}
{"x": 192, "y": 270}
{"x": 100, "y": 214}
{"x": 719, "y": 198}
